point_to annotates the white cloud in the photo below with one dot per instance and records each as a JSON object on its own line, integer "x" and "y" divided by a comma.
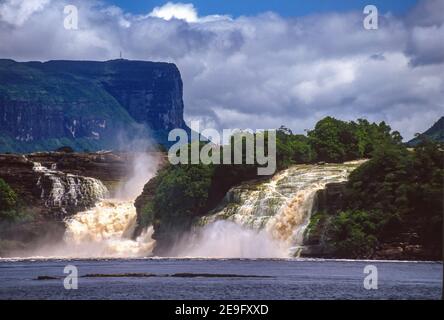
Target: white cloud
{"x": 183, "y": 11}
{"x": 16, "y": 12}
{"x": 171, "y": 10}
{"x": 260, "y": 71}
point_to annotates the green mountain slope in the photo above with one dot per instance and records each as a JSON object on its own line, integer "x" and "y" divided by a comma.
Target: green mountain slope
{"x": 435, "y": 133}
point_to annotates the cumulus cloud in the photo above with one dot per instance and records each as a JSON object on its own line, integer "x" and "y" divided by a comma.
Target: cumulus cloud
{"x": 183, "y": 11}
{"x": 18, "y": 11}
{"x": 259, "y": 71}
{"x": 171, "y": 10}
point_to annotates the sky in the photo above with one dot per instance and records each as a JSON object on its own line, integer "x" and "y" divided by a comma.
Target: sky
{"x": 258, "y": 64}
{"x": 285, "y": 8}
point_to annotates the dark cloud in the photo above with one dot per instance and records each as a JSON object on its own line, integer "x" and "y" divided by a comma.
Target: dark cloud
{"x": 426, "y": 13}
{"x": 426, "y": 33}
{"x": 377, "y": 56}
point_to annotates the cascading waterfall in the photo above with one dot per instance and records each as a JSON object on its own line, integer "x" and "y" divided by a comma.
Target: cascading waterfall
{"x": 106, "y": 229}
{"x": 276, "y": 212}
{"x": 105, "y": 226}
{"x": 256, "y": 219}
{"x": 64, "y": 191}
{"x": 101, "y": 232}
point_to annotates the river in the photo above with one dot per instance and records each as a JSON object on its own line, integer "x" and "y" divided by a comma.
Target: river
{"x": 218, "y": 279}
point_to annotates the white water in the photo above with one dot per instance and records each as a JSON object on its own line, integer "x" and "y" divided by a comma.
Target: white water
{"x": 61, "y": 190}
{"x": 226, "y": 239}
{"x": 105, "y": 230}
{"x": 273, "y": 213}
{"x": 258, "y": 220}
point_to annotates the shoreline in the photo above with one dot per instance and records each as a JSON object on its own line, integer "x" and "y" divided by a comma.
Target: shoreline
{"x": 42, "y": 259}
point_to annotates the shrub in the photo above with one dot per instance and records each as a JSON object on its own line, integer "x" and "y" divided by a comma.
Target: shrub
{"x": 8, "y": 198}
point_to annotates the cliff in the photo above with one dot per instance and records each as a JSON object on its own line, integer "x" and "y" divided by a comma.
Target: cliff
{"x": 56, "y": 184}
{"x": 87, "y": 105}
{"x": 329, "y": 202}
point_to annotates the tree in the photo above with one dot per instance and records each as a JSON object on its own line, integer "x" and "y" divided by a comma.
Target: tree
{"x": 399, "y": 192}
{"x": 292, "y": 149}
{"x": 183, "y": 190}
{"x": 334, "y": 140}
{"x": 370, "y": 135}
{"x": 353, "y": 233}
{"x": 8, "y": 202}
{"x": 8, "y": 198}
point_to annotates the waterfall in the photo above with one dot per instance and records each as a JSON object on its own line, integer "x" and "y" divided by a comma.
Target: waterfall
{"x": 67, "y": 191}
{"x": 96, "y": 226}
{"x": 279, "y": 208}
{"x": 262, "y": 219}
{"x": 103, "y": 231}
{"x": 106, "y": 229}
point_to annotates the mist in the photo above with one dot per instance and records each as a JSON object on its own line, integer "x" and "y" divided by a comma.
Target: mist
{"x": 145, "y": 160}
{"x": 73, "y": 246}
{"x": 142, "y": 168}
{"x": 226, "y": 239}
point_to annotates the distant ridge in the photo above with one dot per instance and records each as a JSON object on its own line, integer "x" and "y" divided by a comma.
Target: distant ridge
{"x": 434, "y": 133}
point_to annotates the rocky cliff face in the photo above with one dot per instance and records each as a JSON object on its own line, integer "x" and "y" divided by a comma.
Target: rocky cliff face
{"x": 86, "y": 105}
{"x": 328, "y": 203}
{"x": 58, "y": 184}
{"x": 331, "y": 199}
{"x": 150, "y": 92}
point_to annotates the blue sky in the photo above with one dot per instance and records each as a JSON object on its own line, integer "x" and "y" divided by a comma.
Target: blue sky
{"x": 283, "y": 7}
